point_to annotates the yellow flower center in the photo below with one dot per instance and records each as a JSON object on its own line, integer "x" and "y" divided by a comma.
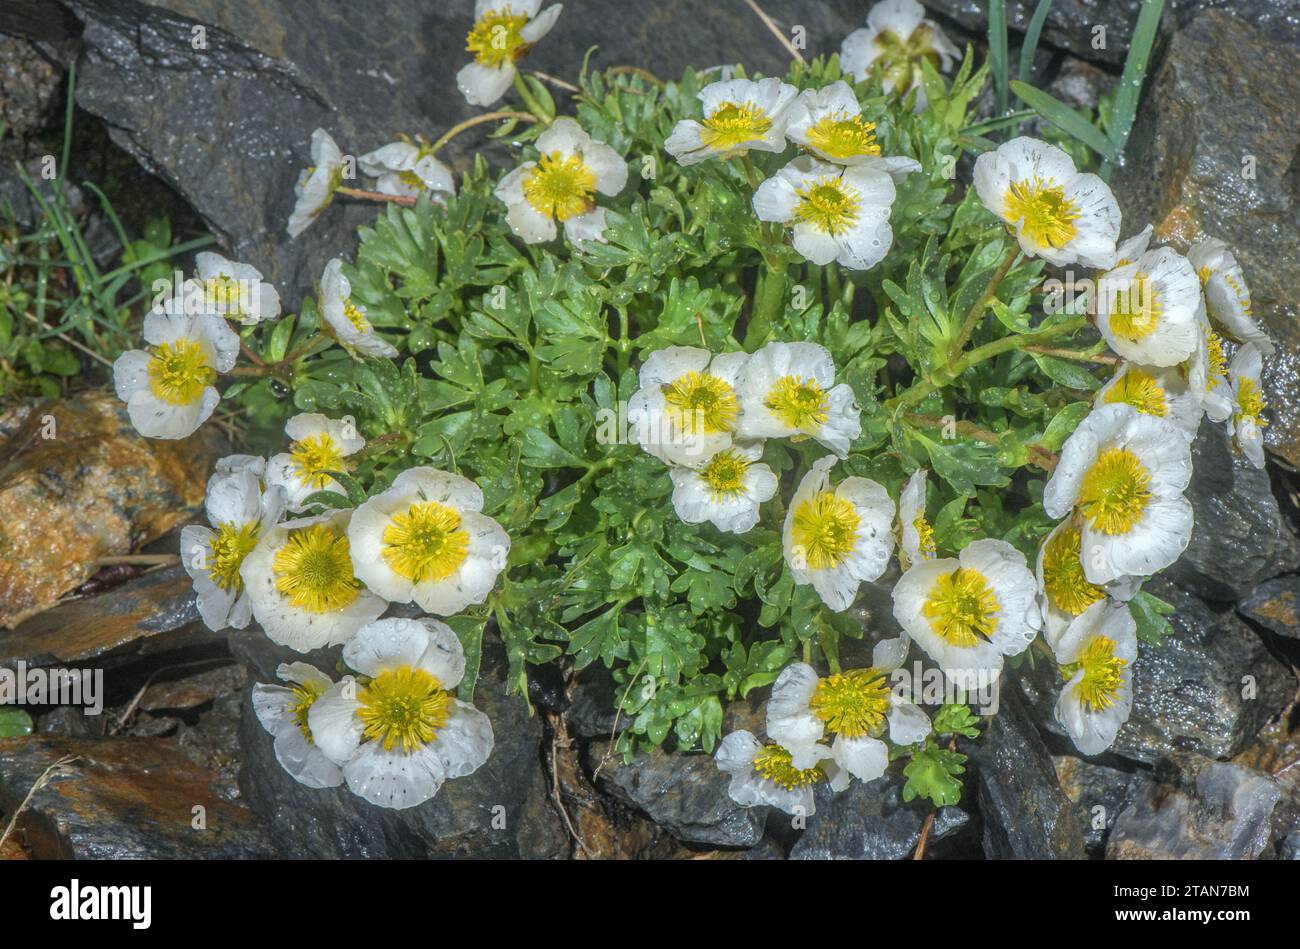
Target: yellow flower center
{"x": 799, "y": 403}
{"x": 425, "y": 542}
{"x": 725, "y": 474}
{"x": 924, "y": 535}
{"x": 1250, "y": 401}
{"x": 304, "y": 697}
{"x": 1102, "y": 669}
{"x": 1047, "y": 217}
{"x": 962, "y": 608}
{"x": 179, "y": 372}
{"x": 411, "y": 180}
{"x": 403, "y": 708}
{"x": 356, "y": 315}
{"x": 1066, "y": 585}
{"x": 843, "y": 135}
{"x": 733, "y": 124}
{"x": 495, "y": 40}
{"x": 1115, "y": 491}
{"x": 1216, "y": 360}
{"x": 231, "y": 544}
{"x": 560, "y": 186}
{"x": 899, "y": 58}
{"x": 701, "y": 403}
{"x": 314, "y": 457}
{"x": 1135, "y": 309}
{"x": 829, "y": 205}
{"x": 773, "y": 763}
{"x": 853, "y": 703}
{"x": 1203, "y": 273}
{"x": 313, "y": 570}
{"x": 222, "y": 292}
{"x": 1140, "y": 390}
{"x": 824, "y": 529}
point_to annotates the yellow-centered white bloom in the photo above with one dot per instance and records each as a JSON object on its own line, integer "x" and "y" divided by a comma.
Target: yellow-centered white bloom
{"x": 561, "y": 186}
{"x": 837, "y": 537}
{"x": 503, "y": 33}
{"x": 426, "y": 540}
{"x": 1063, "y": 588}
{"x": 856, "y": 707}
{"x": 239, "y": 509}
{"x": 400, "y": 732}
{"x": 301, "y": 585}
{"x": 1130, "y": 250}
{"x": 726, "y": 490}
{"x": 168, "y": 390}
{"x": 407, "y": 169}
{"x": 235, "y": 291}
{"x": 1226, "y": 295}
{"x": 788, "y": 390}
{"x": 316, "y": 185}
{"x": 1207, "y": 370}
{"x": 828, "y": 122}
{"x": 283, "y": 712}
{"x": 915, "y": 533}
{"x": 687, "y": 408}
{"x": 1124, "y": 473}
{"x": 1147, "y": 310}
{"x": 1247, "y": 423}
{"x": 1096, "y": 655}
{"x": 319, "y": 446}
{"x": 1055, "y": 212}
{"x": 896, "y": 40}
{"x": 762, "y": 774}
{"x": 835, "y": 213}
{"x": 967, "y": 612}
{"x": 1152, "y": 390}
{"x": 347, "y": 317}
{"x": 738, "y": 115}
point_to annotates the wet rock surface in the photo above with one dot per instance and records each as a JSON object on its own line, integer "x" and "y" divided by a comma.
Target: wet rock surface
{"x": 1275, "y": 605}
{"x": 1099, "y": 793}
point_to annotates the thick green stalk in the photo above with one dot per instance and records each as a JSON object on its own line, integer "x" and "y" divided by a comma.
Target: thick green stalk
{"x": 769, "y": 303}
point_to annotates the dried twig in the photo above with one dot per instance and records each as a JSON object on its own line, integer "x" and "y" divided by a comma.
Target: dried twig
{"x": 40, "y": 783}
{"x": 776, "y": 31}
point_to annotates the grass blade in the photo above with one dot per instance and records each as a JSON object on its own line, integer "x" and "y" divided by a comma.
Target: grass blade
{"x": 1130, "y": 83}
{"x": 1065, "y": 118}
{"x": 1032, "y": 33}
{"x": 998, "y": 53}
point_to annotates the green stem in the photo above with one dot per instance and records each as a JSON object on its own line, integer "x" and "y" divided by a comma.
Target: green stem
{"x": 977, "y": 309}
{"x": 530, "y": 100}
{"x": 769, "y": 302}
{"x": 478, "y": 120}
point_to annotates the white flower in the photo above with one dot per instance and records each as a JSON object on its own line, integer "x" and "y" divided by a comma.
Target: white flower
{"x": 788, "y": 390}
{"x": 1055, "y": 212}
{"x": 856, "y": 707}
{"x": 835, "y": 538}
{"x": 169, "y": 390}
{"x": 916, "y": 534}
{"x": 1151, "y": 390}
{"x": 762, "y": 774}
{"x": 893, "y": 45}
{"x": 836, "y": 213}
{"x": 240, "y": 511}
{"x": 1096, "y": 654}
{"x": 1246, "y": 425}
{"x": 969, "y": 612}
{"x": 687, "y": 407}
{"x": 726, "y": 490}
{"x": 346, "y": 317}
{"x": 1207, "y": 370}
{"x": 235, "y": 291}
{"x": 301, "y": 586}
{"x": 738, "y": 115}
{"x": 1130, "y": 250}
{"x": 1125, "y": 472}
{"x": 1226, "y": 295}
{"x": 405, "y": 169}
{"x": 561, "y": 186}
{"x": 316, "y": 186}
{"x": 319, "y": 446}
{"x": 1147, "y": 310}
{"x": 1064, "y": 590}
{"x": 283, "y": 712}
{"x": 424, "y": 539}
{"x": 503, "y": 33}
{"x": 828, "y": 122}
{"x": 404, "y": 732}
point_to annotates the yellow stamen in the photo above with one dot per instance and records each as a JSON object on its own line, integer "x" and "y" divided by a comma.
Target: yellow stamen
{"x": 1135, "y": 310}
{"x": 314, "y": 457}
{"x": 404, "y": 708}
{"x": 313, "y": 570}
{"x": 560, "y": 186}
{"x": 223, "y": 293}
{"x": 304, "y": 697}
{"x": 179, "y": 372}
{"x": 774, "y": 764}
{"x": 725, "y": 474}
{"x": 426, "y": 542}
{"x": 829, "y": 205}
{"x": 1047, "y": 215}
{"x": 1140, "y": 390}
{"x": 495, "y": 40}
{"x": 733, "y": 124}
{"x": 1217, "y": 361}
{"x": 231, "y": 544}
{"x": 962, "y": 608}
{"x": 799, "y": 403}
{"x": 1102, "y": 674}
{"x": 1250, "y": 401}
{"x": 356, "y": 315}
{"x": 843, "y": 135}
{"x": 1115, "y": 491}
{"x": 824, "y": 529}
{"x": 924, "y": 535}
{"x": 852, "y": 703}
{"x": 1066, "y": 585}
{"x": 898, "y": 58}
{"x": 701, "y": 403}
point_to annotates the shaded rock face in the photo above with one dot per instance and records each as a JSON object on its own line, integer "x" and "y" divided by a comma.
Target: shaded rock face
{"x": 122, "y": 798}
{"x": 78, "y": 483}
{"x": 1195, "y": 809}
{"x": 1240, "y": 537}
{"x": 1275, "y": 605}
{"x": 1209, "y": 120}
{"x": 1208, "y": 689}
{"x": 29, "y": 85}
{"x": 502, "y": 810}
{"x": 1098, "y": 793}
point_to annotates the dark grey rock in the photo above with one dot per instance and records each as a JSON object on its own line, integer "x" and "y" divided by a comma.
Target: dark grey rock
{"x": 592, "y": 712}
{"x": 1196, "y": 809}
{"x": 1207, "y": 689}
{"x": 1288, "y": 848}
{"x": 1275, "y": 605}
{"x": 29, "y": 87}
{"x": 1026, "y": 814}
{"x": 1240, "y": 537}
{"x": 870, "y": 821}
{"x": 1098, "y": 793}
{"x": 685, "y": 794}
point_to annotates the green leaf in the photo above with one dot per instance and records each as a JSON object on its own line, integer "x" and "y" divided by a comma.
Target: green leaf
{"x": 1065, "y": 118}
{"x": 1130, "y": 84}
{"x": 1149, "y": 612}
{"x": 14, "y": 722}
{"x": 328, "y": 499}
{"x": 932, "y": 774}
{"x": 956, "y": 719}
{"x": 1063, "y": 424}
{"x": 1064, "y": 372}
